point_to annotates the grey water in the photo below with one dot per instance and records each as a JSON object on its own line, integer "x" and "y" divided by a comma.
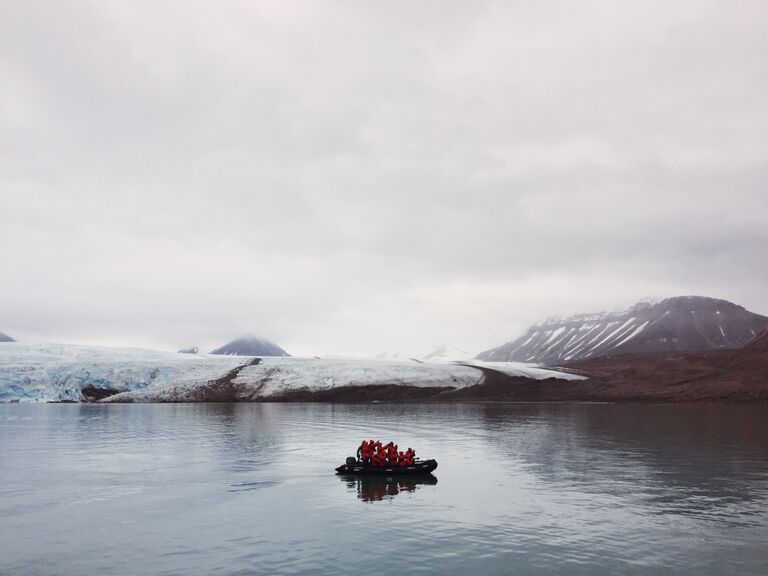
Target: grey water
{"x": 250, "y": 489}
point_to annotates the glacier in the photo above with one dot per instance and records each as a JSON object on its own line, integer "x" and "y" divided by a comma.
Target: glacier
{"x": 60, "y": 372}
{"x": 275, "y": 376}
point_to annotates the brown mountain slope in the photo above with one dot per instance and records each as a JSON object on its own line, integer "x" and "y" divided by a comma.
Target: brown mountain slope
{"x": 737, "y": 375}
{"x": 724, "y": 376}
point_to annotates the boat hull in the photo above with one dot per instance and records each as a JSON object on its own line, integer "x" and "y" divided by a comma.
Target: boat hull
{"x": 358, "y": 469}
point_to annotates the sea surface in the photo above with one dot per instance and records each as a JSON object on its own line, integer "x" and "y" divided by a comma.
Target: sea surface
{"x": 249, "y": 489}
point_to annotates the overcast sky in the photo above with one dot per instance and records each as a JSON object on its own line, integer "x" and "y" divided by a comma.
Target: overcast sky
{"x": 352, "y": 177}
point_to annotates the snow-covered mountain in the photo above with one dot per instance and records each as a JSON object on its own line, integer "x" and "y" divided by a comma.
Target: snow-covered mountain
{"x": 392, "y": 355}
{"x": 6, "y": 338}
{"x": 445, "y": 353}
{"x": 250, "y": 345}
{"x": 682, "y": 324}
{"x": 440, "y": 353}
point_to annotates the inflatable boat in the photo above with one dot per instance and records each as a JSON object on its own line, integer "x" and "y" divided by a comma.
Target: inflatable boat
{"x": 355, "y": 467}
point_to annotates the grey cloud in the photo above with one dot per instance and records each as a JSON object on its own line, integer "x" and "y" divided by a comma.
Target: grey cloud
{"x": 349, "y": 177}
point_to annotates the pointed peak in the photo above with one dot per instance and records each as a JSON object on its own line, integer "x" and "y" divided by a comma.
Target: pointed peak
{"x": 251, "y": 345}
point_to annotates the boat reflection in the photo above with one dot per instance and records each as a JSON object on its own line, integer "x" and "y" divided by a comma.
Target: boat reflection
{"x": 378, "y": 488}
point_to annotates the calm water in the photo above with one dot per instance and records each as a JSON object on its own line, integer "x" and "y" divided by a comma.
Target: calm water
{"x": 249, "y": 489}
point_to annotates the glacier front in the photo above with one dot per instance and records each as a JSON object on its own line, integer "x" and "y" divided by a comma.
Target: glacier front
{"x": 60, "y": 372}
{"x": 71, "y": 373}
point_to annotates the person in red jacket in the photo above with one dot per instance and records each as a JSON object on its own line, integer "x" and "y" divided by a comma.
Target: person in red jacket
{"x": 401, "y": 459}
{"x": 410, "y": 456}
{"x": 368, "y": 453}
{"x": 376, "y": 454}
{"x": 392, "y": 454}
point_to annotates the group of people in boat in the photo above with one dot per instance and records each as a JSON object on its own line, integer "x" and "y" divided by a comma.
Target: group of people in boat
{"x": 378, "y": 454}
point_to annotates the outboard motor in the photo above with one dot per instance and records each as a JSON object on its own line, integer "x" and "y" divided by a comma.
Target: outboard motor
{"x": 351, "y": 461}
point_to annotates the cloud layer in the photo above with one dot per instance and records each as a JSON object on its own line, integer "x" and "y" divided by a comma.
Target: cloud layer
{"x": 349, "y": 177}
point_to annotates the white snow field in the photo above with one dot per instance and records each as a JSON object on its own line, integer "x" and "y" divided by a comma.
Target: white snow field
{"x": 59, "y": 372}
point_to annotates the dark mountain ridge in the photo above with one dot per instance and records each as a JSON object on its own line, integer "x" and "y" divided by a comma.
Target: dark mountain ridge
{"x": 683, "y": 324}
{"x": 250, "y": 345}
{"x": 6, "y": 338}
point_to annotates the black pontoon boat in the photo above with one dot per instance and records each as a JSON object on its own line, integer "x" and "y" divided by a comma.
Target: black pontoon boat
{"x": 355, "y": 467}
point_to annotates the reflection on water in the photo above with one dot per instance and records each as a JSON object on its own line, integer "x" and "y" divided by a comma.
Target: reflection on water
{"x": 251, "y": 489}
{"x": 699, "y": 452}
{"x": 378, "y": 488}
